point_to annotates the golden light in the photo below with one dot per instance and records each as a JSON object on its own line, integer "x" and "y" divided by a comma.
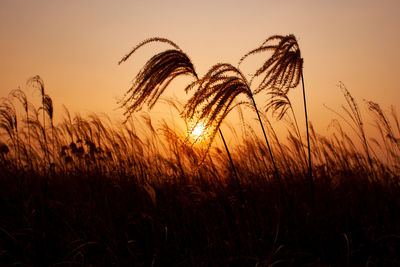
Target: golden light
{"x": 198, "y": 130}
{"x": 198, "y": 133}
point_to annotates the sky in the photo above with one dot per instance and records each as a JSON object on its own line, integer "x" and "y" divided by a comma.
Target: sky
{"x": 75, "y": 46}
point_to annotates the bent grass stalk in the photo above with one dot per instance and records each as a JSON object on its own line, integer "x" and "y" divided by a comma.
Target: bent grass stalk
{"x": 216, "y": 92}
{"x": 266, "y": 140}
{"x": 37, "y": 82}
{"x": 283, "y": 70}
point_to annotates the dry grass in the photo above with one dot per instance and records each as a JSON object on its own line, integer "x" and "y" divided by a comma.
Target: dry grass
{"x": 90, "y": 191}
{"x": 112, "y": 196}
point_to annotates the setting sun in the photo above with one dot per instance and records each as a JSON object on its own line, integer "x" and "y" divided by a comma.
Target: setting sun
{"x": 197, "y": 131}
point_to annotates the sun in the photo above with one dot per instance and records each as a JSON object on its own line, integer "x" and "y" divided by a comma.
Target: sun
{"x": 198, "y": 130}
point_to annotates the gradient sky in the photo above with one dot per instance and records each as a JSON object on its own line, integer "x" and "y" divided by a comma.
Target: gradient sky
{"x": 75, "y": 46}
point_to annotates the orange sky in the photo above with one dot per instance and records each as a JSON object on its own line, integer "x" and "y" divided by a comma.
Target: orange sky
{"x": 75, "y": 46}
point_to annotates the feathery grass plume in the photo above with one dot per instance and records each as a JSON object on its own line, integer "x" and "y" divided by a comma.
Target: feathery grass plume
{"x": 8, "y": 118}
{"x": 49, "y": 108}
{"x": 21, "y": 97}
{"x": 211, "y": 102}
{"x": 354, "y": 114}
{"x": 279, "y": 104}
{"x": 215, "y": 93}
{"x": 395, "y": 118}
{"x": 9, "y": 123}
{"x": 283, "y": 70}
{"x": 387, "y": 131}
{"x": 155, "y": 76}
{"x": 37, "y": 82}
{"x": 213, "y": 98}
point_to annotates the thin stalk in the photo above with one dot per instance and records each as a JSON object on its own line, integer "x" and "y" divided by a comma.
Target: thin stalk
{"x": 308, "y": 141}
{"x": 241, "y": 194}
{"x": 298, "y": 133}
{"x": 233, "y": 168}
{"x": 44, "y": 135}
{"x": 29, "y": 140}
{"x": 52, "y": 133}
{"x": 266, "y": 139}
{"x": 17, "y": 145}
{"x": 366, "y": 147}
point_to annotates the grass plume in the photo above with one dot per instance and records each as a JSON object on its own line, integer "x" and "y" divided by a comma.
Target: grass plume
{"x": 155, "y": 76}
{"x": 283, "y": 70}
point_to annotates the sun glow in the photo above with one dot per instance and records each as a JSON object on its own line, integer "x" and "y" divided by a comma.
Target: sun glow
{"x": 198, "y": 131}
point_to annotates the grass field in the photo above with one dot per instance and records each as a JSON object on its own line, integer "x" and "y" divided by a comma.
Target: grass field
{"x": 90, "y": 191}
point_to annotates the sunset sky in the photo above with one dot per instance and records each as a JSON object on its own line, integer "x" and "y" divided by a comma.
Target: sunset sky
{"x": 75, "y": 46}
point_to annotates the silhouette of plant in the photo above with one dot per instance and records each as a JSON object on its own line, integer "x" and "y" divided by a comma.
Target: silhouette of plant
{"x": 49, "y": 109}
{"x": 22, "y": 98}
{"x": 216, "y": 92}
{"x": 38, "y": 83}
{"x": 155, "y": 76}
{"x": 9, "y": 123}
{"x": 283, "y": 70}
{"x": 353, "y": 113}
{"x": 279, "y": 104}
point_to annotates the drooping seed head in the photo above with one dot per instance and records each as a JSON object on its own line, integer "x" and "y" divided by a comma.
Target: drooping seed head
{"x": 283, "y": 69}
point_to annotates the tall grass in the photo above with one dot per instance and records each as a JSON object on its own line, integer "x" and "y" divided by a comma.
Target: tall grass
{"x": 155, "y": 77}
{"x": 95, "y": 142}
{"x": 78, "y": 141}
{"x": 282, "y": 71}
{"x": 134, "y": 193}
{"x": 89, "y": 190}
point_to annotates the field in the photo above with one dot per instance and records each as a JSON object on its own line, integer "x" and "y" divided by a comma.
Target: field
{"x": 89, "y": 191}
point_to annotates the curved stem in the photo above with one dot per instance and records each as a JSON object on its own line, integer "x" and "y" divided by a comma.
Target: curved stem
{"x": 233, "y": 167}
{"x": 299, "y": 135}
{"x": 44, "y": 135}
{"x": 241, "y": 194}
{"x": 29, "y": 141}
{"x": 308, "y": 142}
{"x": 266, "y": 139}
{"x": 54, "y": 140}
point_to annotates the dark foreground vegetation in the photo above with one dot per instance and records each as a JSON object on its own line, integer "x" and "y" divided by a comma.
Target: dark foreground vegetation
{"x": 88, "y": 218}
{"x": 86, "y": 192}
